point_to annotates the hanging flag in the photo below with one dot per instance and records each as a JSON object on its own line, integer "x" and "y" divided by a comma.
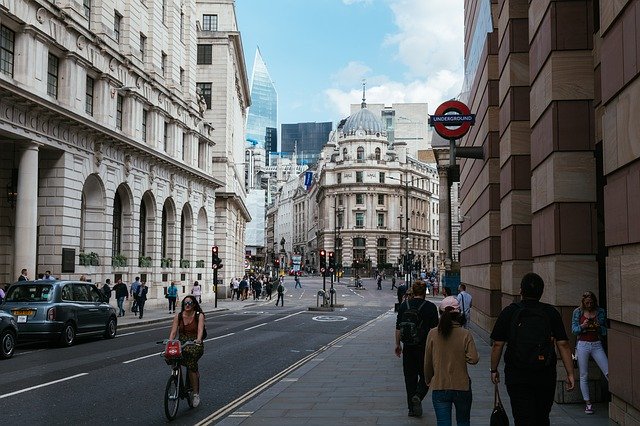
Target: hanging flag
{"x": 308, "y": 178}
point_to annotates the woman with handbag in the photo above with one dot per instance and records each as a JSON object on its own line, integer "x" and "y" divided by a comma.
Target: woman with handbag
{"x": 449, "y": 349}
{"x": 588, "y": 323}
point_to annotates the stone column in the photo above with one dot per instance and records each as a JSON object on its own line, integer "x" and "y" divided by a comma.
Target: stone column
{"x": 26, "y": 212}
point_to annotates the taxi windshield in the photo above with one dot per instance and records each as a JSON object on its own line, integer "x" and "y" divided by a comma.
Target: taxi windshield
{"x": 29, "y": 293}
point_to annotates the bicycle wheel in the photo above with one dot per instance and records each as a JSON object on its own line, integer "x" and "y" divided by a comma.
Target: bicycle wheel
{"x": 172, "y": 397}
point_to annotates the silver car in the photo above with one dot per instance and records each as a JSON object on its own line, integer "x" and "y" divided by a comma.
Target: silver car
{"x": 60, "y": 310}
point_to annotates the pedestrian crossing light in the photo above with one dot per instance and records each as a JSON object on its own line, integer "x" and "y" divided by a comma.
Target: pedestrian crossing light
{"x": 332, "y": 262}
{"x": 323, "y": 259}
{"x": 216, "y": 262}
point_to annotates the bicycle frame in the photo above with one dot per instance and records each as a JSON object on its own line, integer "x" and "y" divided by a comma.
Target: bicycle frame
{"x": 177, "y": 387}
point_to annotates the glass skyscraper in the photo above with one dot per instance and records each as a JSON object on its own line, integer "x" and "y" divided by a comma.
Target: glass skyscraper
{"x": 307, "y": 138}
{"x": 263, "y": 112}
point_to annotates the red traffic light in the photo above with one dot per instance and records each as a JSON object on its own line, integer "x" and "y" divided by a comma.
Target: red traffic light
{"x": 323, "y": 253}
{"x": 331, "y": 254}
{"x": 214, "y": 249}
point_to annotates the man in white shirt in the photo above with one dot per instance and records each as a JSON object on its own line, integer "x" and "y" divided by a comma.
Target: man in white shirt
{"x": 465, "y": 300}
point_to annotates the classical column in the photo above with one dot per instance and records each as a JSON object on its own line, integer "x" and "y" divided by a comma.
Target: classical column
{"x": 26, "y": 213}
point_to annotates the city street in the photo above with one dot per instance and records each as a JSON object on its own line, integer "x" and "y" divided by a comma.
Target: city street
{"x": 123, "y": 380}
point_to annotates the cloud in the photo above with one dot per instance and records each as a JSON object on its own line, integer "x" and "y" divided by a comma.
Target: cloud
{"x": 350, "y": 2}
{"x": 428, "y": 43}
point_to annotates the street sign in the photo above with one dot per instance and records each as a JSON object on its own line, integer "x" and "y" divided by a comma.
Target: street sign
{"x": 452, "y": 119}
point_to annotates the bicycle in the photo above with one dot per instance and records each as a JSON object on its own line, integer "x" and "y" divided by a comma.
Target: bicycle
{"x": 177, "y": 387}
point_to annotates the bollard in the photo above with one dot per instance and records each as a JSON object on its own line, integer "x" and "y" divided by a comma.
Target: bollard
{"x": 324, "y": 298}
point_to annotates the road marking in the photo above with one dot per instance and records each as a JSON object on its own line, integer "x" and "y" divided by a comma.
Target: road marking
{"x": 255, "y": 326}
{"x": 125, "y": 334}
{"x": 289, "y": 316}
{"x": 142, "y": 357}
{"x": 359, "y": 295}
{"x": 29, "y": 352}
{"x": 329, "y": 318}
{"x": 6, "y": 395}
{"x": 302, "y": 294}
{"x": 220, "y": 337}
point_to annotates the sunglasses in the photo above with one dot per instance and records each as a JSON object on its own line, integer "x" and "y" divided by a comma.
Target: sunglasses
{"x": 188, "y": 303}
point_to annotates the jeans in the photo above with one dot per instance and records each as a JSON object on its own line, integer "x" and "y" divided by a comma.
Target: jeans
{"x": 413, "y": 369}
{"x": 141, "y": 306}
{"x": 280, "y": 299}
{"x": 172, "y": 303}
{"x": 442, "y": 401}
{"x": 583, "y": 351}
{"x": 531, "y": 403}
{"x": 120, "y": 306}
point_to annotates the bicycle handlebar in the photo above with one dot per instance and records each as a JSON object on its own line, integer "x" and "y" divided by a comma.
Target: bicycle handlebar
{"x": 187, "y": 343}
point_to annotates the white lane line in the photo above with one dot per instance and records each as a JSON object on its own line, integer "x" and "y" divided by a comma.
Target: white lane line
{"x": 6, "y": 395}
{"x": 142, "y": 357}
{"x": 255, "y": 326}
{"x": 220, "y": 337}
{"x": 125, "y": 334}
{"x": 289, "y": 316}
{"x": 359, "y": 295}
{"x": 29, "y": 352}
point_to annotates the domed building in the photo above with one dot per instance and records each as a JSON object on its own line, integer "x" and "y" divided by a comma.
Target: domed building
{"x": 367, "y": 189}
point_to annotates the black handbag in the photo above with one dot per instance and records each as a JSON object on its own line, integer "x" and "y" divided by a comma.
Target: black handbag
{"x": 498, "y": 415}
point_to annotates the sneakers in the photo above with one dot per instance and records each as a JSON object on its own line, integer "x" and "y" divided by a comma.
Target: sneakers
{"x": 195, "y": 400}
{"x": 416, "y": 406}
{"x": 588, "y": 409}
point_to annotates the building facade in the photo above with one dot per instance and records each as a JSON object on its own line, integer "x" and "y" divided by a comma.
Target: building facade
{"x": 554, "y": 86}
{"x": 305, "y": 139}
{"x": 107, "y": 153}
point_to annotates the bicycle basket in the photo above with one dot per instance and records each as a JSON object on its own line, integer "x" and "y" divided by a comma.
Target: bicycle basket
{"x": 173, "y": 350}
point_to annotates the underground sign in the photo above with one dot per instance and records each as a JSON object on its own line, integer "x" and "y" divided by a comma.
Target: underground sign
{"x": 452, "y": 120}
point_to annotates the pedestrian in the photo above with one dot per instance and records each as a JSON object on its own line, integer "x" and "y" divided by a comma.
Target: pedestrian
{"x": 415, "y": 318}
{"x": 589, "y": 325}
{"x": 135, "y": 287}
{"x": 401, "y": 292}
{"x": 234, "y": 287}
{"x": 121, "y": 294}
{"x": 379, "y": 282}
{"x": 297, "y": 280}
{"x": 280, "y": 291}
{"x": 256, "y": 287}
{"x": 23, "y": 275}
{"x": 449, "y": 349}
{"x": 269, "y": 288}
{"x": 48, "y": 276}
{"x": 196, "y": 290}
{"x": 464, "y": 299}
{"x": 83, "y": 278}
{"x": 172, "y": 296}
{"x": 243, "y": 288}
{"x": 142, "y": 297}
{"x": 106, "y": 289}
{"x": 529, "y": 329}
{"x": 393, "y": 282}
{"x": 446, "y": 291}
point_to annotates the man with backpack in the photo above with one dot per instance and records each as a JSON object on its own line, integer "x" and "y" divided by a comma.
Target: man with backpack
{"x": 415, "y": 318}
{"x": 531, "y": 330}
{"x": 280, "y": 290}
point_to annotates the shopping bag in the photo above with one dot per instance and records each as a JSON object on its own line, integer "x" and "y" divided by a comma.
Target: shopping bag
{"x": 498, "y": 415}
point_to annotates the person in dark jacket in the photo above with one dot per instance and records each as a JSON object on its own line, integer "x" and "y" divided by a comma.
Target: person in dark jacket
{"x": 413, "y": 355}
{"x": 106, "y": 289}
{"x": 142, "y": 297}
{"x": 122, "y": 293}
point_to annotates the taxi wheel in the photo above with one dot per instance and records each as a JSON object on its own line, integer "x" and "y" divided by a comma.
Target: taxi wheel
{"x": 110, "y": 331}
{"x": 68, "y": 335}
{"x": 7, "y": 344}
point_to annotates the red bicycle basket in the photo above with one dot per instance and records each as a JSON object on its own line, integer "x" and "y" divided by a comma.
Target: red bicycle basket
{"x": 173, "y": 350}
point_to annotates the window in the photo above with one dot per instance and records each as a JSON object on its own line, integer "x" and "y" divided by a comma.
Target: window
{"x": 181, "y": 77}
{"x": 119, "y": 104}
{"x": 209, "y": 22}
{"x": 339, "y": 220}
{"x": 116, "y": 233}
{"x": 339, "y": 178}
{"x": 143, "y": 46}
{"x": 117, "y": 20}
{"x": 165, "y": 139}
{"x": 164, "y": 231}
{"x": 359, "y": 198}
{"x": 377, "y": 154}
{"x": 181, "y": 25}
{"x": 144, "y": 125}
{"x": 142, "y": 238}
{"x": 80, "y": 293}
{"x": 340, "y": 200}
{"x": 381, "y": 199}
{"x": 204, "y": 89}
{"x": 205, "y": 54}
{"x": 344, "y": 153}
{"x": 381, "y": 177}
{"x": 163, "y": 64}
{"x": 87, "y": 8}
{"x": 88, "y": 105}
{"x": 52, "y": 76}
{"x": 382, "y": 251}
{"x": 360, "y": 154}
{"x": 164, "y": 11}
{"x": 7, "y": 39}
{"x": 202, "y": 150}
{"x": 359, "y": 220}
{"x": 184, "y": 146}
{"x": 359, "y": 177}
{"x": 380, "y": 220}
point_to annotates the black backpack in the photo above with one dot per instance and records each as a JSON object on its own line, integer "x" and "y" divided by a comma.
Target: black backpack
{"x": 531, "y": 340}
{"x": 411, "y": 332}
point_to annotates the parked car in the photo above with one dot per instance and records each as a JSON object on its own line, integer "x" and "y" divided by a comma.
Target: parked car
{"x": 60, "y": 310}
{"x": 8, "y": 335}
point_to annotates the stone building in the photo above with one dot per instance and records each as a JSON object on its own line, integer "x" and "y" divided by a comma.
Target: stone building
{"x": 107, "y": 155}
{"x": 555, "y": 88}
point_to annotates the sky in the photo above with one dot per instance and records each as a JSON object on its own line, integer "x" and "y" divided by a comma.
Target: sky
{"x": 319, "y": 51}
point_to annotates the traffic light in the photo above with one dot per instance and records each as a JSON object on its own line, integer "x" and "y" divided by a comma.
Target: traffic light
{"x": 332, "y": 262}
{"x": 276, "y": 262}
{"x": 323, "y": 260}
{"x": 216, "y": 262}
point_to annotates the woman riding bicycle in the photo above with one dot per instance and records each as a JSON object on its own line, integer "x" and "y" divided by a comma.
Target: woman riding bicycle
{"x": 188, "y": 324}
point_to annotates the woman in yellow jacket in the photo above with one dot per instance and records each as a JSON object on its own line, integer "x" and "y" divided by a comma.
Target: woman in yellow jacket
{"x": 449, "y": 349}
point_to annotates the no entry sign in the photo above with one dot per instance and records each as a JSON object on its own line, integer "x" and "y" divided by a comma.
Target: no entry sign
{"x": 452, "y": 120}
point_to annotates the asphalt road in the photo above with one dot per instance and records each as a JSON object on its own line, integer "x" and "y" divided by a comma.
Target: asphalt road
{"x": 123, "y": 380}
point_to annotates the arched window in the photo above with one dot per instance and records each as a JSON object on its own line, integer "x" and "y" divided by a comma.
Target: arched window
{"x": 116, "y": 235}
{"x": 142, "y": 239}
{"x": 183, "y": 234}
{"x": 382, "y": 252}
{"x": 344, "y": 153}
{"x": 360, "y": 153}
{"x": 164, "y": 232}
{"x": 83, "y": 219}
{"x": 377, "y": 153}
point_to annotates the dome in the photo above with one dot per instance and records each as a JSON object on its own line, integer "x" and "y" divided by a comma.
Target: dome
{"x": 365, "y": 120}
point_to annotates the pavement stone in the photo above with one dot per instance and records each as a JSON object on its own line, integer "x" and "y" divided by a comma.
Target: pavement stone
{"x": 358, "y": 381}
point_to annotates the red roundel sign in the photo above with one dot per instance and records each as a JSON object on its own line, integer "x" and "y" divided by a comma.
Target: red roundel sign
{"x": 452, "y": 120}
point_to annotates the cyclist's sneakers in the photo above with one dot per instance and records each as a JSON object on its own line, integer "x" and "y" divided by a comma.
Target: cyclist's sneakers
{"x": 588, "y": 409}
{"x": 196, "y": 400}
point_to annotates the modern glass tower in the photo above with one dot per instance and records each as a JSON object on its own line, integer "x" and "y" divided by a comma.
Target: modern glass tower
{"x": 307, "y": 138}
{"x": 263, "y": 112}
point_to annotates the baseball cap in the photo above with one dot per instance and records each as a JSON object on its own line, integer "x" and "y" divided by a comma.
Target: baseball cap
{"x": 450, "y": 302}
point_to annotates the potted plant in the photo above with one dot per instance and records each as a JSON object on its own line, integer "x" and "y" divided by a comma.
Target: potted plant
{"x": 200, "y": 263}
{"x": 83, "y": 259}
{"x": 166, "y": 262}
{"x": 119, "y": 260}
{"x": 94, "y": 260}
{"x": 184, "y": 263}
{"x": 144, "y": 261}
